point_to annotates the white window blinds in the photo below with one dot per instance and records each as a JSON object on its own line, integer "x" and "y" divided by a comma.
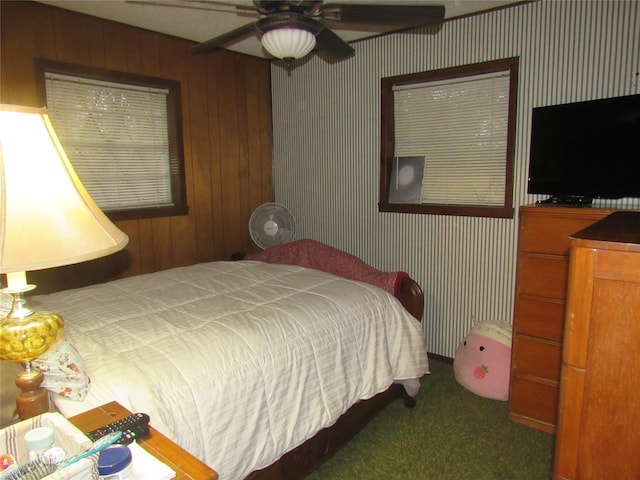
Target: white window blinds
{"x": 116, "y": 137}
{"x": 460, "y": 127}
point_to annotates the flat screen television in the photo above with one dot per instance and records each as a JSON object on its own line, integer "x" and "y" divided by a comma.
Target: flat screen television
{"x": 586, "y": 150}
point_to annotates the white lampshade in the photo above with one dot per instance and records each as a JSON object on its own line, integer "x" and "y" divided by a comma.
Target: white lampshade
{"x": 288, "y": 43}
{"x": 47, "y": 218}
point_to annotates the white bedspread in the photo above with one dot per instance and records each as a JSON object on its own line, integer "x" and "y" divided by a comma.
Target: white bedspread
{"x": 238, "y": 362}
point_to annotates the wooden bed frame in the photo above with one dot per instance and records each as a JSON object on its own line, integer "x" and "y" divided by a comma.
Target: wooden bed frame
{"x": 302, "y": 460}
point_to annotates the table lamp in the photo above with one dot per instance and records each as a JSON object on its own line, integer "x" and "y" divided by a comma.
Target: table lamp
{"x": 47, "y": 219}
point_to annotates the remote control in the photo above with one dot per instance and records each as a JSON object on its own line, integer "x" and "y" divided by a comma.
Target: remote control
{"x": 132, "y": 427}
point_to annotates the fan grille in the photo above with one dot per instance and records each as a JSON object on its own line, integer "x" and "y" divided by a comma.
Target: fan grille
{"x": 271, "y": 224}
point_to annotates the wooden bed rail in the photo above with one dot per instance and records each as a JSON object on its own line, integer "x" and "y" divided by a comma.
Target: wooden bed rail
{"x": 412, "y": 297}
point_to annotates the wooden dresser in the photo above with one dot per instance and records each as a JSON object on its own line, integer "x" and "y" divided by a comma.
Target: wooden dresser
{"x": 538, "y": 323}
{"x": 599, "y": 409}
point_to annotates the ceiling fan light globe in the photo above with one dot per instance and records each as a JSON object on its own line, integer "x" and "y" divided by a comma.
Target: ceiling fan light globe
{"x": 289, "y": 43}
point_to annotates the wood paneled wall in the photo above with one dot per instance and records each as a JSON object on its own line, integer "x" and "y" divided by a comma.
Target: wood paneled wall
{"x": 226, "y": 109}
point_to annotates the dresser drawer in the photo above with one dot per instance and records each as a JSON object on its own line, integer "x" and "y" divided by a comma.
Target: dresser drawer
{"x": 536, "y": 358}
{"x": 534, "y": 400}
{"x": 543, "y": 276}
{"x": 538, "y": 318}
{"x": 543, "y": 234}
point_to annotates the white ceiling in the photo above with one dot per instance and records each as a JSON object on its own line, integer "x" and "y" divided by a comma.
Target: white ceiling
{"x": 201, "y": 20}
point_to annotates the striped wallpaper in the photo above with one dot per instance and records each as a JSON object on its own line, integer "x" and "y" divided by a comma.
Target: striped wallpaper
{"x": 326, "y": 145}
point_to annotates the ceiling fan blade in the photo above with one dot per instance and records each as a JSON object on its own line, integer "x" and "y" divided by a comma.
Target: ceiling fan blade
{"x": 225, "y": 39}
{"x": 331, "y": 47}
{"x": 214, "y": 5}
{"x": 395, "y": 15}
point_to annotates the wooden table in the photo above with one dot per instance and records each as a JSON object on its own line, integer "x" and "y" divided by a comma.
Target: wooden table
{"x": 186, "y": 466}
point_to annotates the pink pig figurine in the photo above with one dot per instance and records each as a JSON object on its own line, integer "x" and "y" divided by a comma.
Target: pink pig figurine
{"x": 483, "y": 360}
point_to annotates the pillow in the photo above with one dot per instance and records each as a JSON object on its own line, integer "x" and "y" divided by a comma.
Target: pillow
{"x": 312, "y": 254}
{"x": 64, "y": 372}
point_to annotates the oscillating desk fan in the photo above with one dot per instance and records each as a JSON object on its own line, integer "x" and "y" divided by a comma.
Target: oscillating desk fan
{"x": 271, "y": 224}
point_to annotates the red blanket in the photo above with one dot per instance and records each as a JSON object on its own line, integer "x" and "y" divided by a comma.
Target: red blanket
{"x": 311, "y": 254}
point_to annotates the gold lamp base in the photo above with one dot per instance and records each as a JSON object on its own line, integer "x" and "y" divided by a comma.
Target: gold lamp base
{"x": 24, "y": 336}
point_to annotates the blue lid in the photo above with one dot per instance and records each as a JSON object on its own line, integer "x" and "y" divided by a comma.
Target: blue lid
{"x": 113, "y": 459}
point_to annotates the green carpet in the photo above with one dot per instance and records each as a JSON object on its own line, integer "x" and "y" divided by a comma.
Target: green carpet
{"x": 450, "y": 434}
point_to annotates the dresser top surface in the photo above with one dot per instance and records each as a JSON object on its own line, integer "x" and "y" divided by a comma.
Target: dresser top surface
{"x": 620, "y": 229}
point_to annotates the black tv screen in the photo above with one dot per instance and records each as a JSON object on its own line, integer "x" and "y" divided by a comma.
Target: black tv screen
{"x": 586, "y": 150}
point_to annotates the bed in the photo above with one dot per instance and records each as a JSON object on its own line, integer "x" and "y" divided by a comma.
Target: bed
{"x": 260, "y": 369}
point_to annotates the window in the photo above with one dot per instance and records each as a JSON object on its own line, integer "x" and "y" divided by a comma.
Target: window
{"x": 122, "y": 134}
{"x": 448, "y": 140}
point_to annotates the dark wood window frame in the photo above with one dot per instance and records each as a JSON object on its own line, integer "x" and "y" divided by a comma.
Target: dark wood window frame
{"x": 388, "y": 139}
{"x": 174, "y": 119}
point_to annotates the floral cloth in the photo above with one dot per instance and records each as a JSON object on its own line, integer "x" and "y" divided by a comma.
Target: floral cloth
{"x": 64, "y": 372}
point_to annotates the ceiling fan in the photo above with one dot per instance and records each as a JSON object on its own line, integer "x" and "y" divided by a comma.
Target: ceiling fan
{"x": 291, "y": 29}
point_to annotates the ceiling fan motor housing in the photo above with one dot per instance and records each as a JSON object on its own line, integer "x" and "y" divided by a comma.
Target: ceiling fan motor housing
{"x": 289, "y": 20}
{"x": 306, "y": 7}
